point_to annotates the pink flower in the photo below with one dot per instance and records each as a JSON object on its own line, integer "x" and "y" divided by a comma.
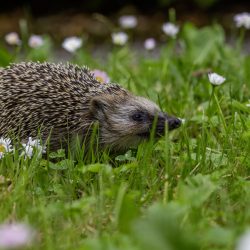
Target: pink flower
{"x": 15, "y": 235}
{"x": 101, "y": 76}
{"x": 35, "y": 41}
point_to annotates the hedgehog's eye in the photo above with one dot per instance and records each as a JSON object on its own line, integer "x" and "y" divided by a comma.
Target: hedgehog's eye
{"x": 138, "y": 117}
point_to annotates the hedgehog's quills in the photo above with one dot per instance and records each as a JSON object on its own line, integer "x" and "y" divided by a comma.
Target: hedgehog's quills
{"x": 63, "y": 101}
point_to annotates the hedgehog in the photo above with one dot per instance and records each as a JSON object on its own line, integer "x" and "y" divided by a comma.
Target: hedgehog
{"x": 64, "y": 101}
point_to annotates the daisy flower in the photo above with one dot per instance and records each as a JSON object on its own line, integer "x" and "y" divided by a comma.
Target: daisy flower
{"x": 242, "y": 20}
{"x": 128, "y": 22}
{"x": 71, "y": 44}
{"x": 5, "y": 146}
{"x": 12, "y": 38}
{"x": 28, "y": 150}
{"x": 216, "y": 79}
{"x": 32, "y": 145}
{"x": 119, "y": 38}
{"x": 170, "y": 29}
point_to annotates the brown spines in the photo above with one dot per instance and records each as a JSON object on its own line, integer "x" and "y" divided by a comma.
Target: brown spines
{"x": 50, "y": 97}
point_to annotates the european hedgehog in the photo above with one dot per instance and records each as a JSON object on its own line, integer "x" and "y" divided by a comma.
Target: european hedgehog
{"x": 64, "y": 101}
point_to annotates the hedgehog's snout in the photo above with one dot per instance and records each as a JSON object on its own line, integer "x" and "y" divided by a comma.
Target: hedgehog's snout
{"x": 166, "y": 120}
{"x": 173, "y": 123}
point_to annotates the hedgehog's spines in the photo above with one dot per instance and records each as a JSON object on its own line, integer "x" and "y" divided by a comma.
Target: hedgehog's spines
{"x": 33, "y": 93}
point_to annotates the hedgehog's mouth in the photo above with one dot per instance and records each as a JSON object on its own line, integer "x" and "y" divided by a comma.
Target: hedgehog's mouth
{"x": 164, "y": 122}
{"x": 144, "y": 135}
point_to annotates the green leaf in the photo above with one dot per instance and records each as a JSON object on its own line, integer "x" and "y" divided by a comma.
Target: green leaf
{"x": 162, "y": 228}
{"x": 240, "y": 107}
{"x": 195, "y": 190}
{"x": 60, "y": 153}
{"x": 95, "y": 168}
{"x": 5, "y": 57}
{"x": 62, "y": 165}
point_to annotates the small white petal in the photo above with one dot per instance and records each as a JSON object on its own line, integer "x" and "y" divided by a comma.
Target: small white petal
{"x": 242, "y": 20}
{"x": 28, "y": 150}
{"x": 119, "y": 38}
{"x": 182, "y": 120}
{"x": 149, "y": 44}
{"x": 1, "y": 155}
{"x": 170, "y": 29}
{"x": 244, "y": 242}
{"x": 31, "y": 145}
{"x": 128, "y": 22}
{"x": 216, "y": 79}
{"x": 12, "y": 38}
{"x": 71, "y": 44}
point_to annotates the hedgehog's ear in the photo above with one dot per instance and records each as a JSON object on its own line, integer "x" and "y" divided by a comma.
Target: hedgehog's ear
{"x": 99, "y": 104}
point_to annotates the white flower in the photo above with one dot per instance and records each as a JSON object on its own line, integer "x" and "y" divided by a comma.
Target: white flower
{"x": 15, "y": 235}
{"x": 32, "y": 145}
{"x": 216, "y": 79}
{"x": 35, "y": 41}
{"x": 119, "y": 38}
{"x": 244, "y": 242}
{"x": 242, "y": 20}
{"x": 5, "y": 146}
{"x": 149, "y": 44}
{"x": 28, "y": 150}
{"x": 170, "y": 29}
{"x": 12, "y": 38}
{"x": 101, "y": 76}
{"x": 71, "y": 44}
{"x": 128, "y": 22}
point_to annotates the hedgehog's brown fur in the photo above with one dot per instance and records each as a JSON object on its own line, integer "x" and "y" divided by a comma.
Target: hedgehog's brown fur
{"x": 63, "y": 101}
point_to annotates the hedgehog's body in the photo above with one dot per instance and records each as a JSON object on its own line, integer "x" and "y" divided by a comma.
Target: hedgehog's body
{"x": 62, "y": 101}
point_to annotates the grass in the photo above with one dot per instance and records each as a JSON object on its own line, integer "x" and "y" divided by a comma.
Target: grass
{"x": 190, "y": 190}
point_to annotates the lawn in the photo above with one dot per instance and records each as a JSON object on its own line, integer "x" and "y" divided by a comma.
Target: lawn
{"x": 189, "y": 190}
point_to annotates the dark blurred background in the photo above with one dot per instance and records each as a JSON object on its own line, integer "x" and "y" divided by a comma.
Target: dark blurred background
{"x": 109, "y": 7}
{"x": 61, "y": 18}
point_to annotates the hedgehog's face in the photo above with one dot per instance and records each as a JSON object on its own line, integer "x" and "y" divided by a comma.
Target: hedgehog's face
{"x": 129, "y": 121}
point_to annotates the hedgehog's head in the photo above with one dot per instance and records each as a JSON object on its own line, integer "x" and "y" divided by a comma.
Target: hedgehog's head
{"x": 127, "y": 121}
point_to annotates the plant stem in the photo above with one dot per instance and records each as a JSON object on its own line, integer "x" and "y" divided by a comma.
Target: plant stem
{"x": 220, "y": 111}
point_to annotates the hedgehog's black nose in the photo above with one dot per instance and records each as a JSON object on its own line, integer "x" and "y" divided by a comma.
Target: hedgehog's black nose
{"x": 173, "y": 123}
